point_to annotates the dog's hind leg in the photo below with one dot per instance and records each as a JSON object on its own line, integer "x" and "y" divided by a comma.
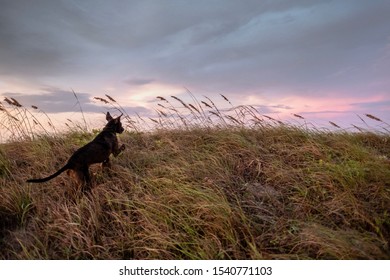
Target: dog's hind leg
{"x": 86, "y": 179}
{"x": 106, "y": 163}
{"x": 107, "y": 168}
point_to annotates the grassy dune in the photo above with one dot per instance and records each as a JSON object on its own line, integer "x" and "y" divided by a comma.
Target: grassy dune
{"x": 222, "y": 191}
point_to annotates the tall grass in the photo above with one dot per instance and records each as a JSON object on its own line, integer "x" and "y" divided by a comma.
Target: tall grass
{"x": 199, "y": 182}
{"x": 19, "y": 122}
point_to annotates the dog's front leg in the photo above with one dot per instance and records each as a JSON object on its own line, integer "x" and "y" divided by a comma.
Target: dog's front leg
{"x": 118, "y": 150}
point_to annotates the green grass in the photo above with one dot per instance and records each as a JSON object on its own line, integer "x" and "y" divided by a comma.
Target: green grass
{"x": 204, "y": 194}
{"x": 223, "y": 191}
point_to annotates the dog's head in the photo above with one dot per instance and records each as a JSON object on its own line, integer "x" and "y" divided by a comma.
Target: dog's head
{"x": 114, "y": 124}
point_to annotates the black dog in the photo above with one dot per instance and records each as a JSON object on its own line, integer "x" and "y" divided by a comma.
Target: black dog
{"x": 96, "y": 151}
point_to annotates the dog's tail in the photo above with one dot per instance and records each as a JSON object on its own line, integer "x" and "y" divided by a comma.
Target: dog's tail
{"x": 41, "y": 180}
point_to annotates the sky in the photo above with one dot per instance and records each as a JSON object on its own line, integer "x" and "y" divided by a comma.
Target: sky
{"x": 320, "y": 59}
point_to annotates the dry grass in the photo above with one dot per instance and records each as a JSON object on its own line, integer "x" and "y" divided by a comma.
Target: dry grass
{"x": 206, "y": 184}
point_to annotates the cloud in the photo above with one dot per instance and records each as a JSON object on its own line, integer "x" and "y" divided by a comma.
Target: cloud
{"x": 139, "y": 81}
{"x": 271, "y": 109}
{"x": 238, "y": 48}
{"x": 372, "y": 106}
{"x": 53, "y": 100}
{"x": 302, "y": 46}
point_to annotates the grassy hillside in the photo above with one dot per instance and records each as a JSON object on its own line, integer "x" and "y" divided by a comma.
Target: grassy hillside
{"x": 203, "y": 183}
{"x": 209, "y": 193}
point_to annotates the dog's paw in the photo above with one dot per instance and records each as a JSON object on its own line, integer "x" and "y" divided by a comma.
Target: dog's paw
{"x": 123, "y": 147}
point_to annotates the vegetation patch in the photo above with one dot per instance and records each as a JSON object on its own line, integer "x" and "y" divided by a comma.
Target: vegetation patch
{"x": 200, "y": 190}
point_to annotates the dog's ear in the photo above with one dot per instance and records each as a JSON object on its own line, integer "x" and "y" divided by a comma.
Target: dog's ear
{"x": 108, "y": 116}
{"x": 118, "y": 119}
